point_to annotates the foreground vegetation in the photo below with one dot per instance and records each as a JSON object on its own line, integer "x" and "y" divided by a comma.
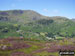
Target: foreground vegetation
{"x": 23, "y": 47}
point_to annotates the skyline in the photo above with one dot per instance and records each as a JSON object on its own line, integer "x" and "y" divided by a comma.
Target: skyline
{"x": 45, "y": 7}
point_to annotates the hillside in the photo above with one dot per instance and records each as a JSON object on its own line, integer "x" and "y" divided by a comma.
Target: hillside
{"x": 30, "y": 24}
{"x": 73, "y": 19}
{"x": 22, "y": 16}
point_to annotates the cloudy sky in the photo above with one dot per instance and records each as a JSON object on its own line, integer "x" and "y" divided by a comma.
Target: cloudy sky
{"x": 45, "y": 7}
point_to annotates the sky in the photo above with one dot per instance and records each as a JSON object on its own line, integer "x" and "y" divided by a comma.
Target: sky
{"x": 64, "y": 8}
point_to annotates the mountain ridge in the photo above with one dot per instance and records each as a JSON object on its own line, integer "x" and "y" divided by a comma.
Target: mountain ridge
{"x": 26, "y": 15}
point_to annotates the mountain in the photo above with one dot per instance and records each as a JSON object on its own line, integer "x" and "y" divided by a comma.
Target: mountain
{"x": 25, "y": 16}
{"x": 30, "y": 24}
{"x": 19, "y": 15}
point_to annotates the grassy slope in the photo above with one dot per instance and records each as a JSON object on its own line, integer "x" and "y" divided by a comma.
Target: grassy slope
{"x": 31, "y": 22}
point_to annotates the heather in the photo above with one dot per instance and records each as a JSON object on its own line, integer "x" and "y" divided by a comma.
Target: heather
{"x": 22, "y": 47}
